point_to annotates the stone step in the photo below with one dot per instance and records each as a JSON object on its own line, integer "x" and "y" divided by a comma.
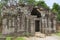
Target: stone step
{"x": 41, "y": 35}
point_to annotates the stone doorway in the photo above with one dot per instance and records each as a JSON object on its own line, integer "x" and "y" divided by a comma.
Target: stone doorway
{"x": 37, "y": 26}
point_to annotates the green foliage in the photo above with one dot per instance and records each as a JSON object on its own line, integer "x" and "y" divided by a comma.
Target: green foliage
{"x": 27, "y": 1}
{"x": 58, "y": 34}
{"x": 0, "y": 33}
{"x": 20, "y": 38}
{"x": 58, "y": 16}
{"x": 55, "y": 7}
{"x": 27, "y": 33}
{"x": 54, "y": 10}
{"x": 17, "y": 38}
{"x": 21, "y": 1}
{"x": 31, "y": 1}
{"x": 42, "y": 3}
{"x": 6, "y": 0}
{"x": 8, "y": 38}
{"x": 1, "y": 5}
{"x": 34, "y": 2}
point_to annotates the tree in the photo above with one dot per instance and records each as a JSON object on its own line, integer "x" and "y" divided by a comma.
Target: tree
{"x": 20, "y": 1}
{"x": 32, "y": 2}
{"x": 56, "y": 9}
{"x": 43, "y": 4}
{"x": 58, "y": 16}
{"x": 27, "y": 2}
{"x": 1, "y": 5}
{"x": 4, "y": 1}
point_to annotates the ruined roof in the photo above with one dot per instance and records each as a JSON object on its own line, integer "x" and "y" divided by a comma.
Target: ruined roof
{"x": 42, "y": 8}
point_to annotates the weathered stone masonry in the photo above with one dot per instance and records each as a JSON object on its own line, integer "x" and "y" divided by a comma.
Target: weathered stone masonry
{"x": 23, "y": 20}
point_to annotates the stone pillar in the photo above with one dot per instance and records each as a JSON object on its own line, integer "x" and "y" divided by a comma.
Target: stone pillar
{"x": 18, "y": 24}
{"x": 4, "y": 26}
{"x": 12, "y": 22}
{"x": 54, "y": 25}
{"x": 27, "y": 26}
{"x": 45, "y": 25}
{"x": 49, "y": 28}
{"x": 40, "y": 24}
{"x": 15, "y": 21}
{"x": 22, "y": 24}
{"x": 32, "y": 26}
{"x": 8, "y": 23}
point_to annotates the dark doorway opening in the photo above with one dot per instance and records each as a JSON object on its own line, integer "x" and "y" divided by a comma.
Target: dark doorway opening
{"x": 36, "y": 13}
{"x": 37, "y": 26}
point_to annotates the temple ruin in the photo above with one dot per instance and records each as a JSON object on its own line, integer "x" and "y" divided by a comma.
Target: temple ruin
{"x": 27, "y": 19}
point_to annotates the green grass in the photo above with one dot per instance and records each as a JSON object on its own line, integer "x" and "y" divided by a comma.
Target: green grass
{"x": 8, "y": 38}
{"x": 0, "y": 33}
{"x": 58, "y": 34}
{"x": 18, "y": 38}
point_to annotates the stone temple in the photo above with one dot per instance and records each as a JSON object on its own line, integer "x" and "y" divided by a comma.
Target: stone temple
{"x": 27, "y": 19}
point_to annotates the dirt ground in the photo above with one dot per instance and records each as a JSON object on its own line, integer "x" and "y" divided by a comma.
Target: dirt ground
{"x": 45, "y": 38}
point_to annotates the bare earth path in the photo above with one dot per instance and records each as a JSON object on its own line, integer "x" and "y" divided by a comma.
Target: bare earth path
{"x": 46, "y": 38}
